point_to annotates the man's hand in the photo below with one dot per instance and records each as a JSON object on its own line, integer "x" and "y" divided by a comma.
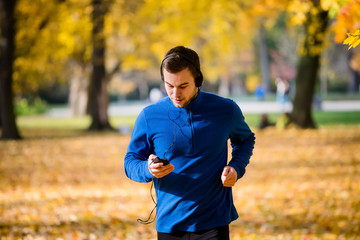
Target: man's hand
{"x": 229, "y": 176}
{"x": 158, "y": 170}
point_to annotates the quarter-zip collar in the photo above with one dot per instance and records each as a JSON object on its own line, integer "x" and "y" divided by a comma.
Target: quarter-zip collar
{"x": 183, "y": 118}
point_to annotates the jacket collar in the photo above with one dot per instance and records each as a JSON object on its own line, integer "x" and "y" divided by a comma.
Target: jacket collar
{"x": 191, "y": 106}
{"x": 195, "y": 102}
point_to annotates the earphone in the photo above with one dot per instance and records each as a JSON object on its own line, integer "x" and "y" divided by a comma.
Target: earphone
{"x": 155, "y": 200}
{"x": 198, "y": 80}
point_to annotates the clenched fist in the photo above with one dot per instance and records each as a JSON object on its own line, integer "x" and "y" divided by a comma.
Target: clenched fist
{"x": 229, "y": 176}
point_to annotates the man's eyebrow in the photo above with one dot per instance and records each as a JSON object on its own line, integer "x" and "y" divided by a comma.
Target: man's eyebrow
{"x": 183, "y": 84}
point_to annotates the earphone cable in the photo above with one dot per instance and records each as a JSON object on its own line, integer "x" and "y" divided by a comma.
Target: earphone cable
{"x": 155, "y": 201}
{"x": 175, "y": 132}
{"x": 148, "y": 220}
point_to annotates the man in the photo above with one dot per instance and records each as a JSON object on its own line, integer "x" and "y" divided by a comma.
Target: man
{"x": 190, "y": 128}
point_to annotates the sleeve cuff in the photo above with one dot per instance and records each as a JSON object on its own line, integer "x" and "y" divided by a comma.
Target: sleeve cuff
{"x": 147, "y": 173}
{"x": 240, "y": 171}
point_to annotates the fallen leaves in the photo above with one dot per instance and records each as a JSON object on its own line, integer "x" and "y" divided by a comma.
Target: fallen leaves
{"x": 302, "y": 185}
{"x": 69, "y": 188}
{"x": 299, "y": 185}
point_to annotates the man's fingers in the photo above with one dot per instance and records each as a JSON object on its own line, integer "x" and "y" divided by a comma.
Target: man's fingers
{"x": 158, "y": 170}
{"x": 229, "y": 176}
{"x": 156, "y": 166}
{"x": 229, "y": 182}
{"x": 225, "y": 171}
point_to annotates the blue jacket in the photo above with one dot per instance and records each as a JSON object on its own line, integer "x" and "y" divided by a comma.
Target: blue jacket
{"x": 195, "y": 140}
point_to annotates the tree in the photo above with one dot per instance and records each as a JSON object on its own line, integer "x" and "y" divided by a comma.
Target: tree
{"x": 59, "y": 33}
{"x": 317, "y": 17}
{"x": 9, "y": 128}
{"x": 309, "y": 62}
{"x": 264, "y": 59}
{"x": 98, "y": 98}
{"x": 54, "y": 48}
{"x": 42, "y": 47}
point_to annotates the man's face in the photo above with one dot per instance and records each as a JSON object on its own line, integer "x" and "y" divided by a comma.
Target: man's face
{"x": 180, "y": 87}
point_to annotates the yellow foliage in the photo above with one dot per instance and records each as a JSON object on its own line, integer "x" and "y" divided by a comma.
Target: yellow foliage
{"x": 298, "y": 10}
{"x": 47, "y": 37}
{"x": 353, "y": 39}
{"x": 347, "y": 13}
{"x": 139, "y": 32}
{"x": 348, "y": 22}
{"x": 268, "y": 9}
{"x": 132, "y": 62}
{"x": 252, "y": 81}
{"x": 217, "y": 30}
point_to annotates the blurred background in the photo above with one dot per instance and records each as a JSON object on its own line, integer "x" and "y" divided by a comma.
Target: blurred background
{"x": 68, "y": 58}
{"x": 74, "y": 74}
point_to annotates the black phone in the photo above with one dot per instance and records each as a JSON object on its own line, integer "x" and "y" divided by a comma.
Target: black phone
{"x": 159, "y": 160}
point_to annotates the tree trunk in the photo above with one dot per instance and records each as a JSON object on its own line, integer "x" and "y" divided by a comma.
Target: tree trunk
{"x": 354, "y": 83}
{"x": 0, "y": 115}
{"x": 308, "y": 69}
{"x": 7, "y": 41}
{"x": 224, "y": 88}
{"x": 98, "y": 98}
{"x": 79, "y": 84}
{"x": 264, "y": 59}
{"x": 305, "y": 85}
{"x": 238, "y": 85}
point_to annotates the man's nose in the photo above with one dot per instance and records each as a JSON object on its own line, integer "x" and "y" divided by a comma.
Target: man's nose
{"x": 177, "y": 92}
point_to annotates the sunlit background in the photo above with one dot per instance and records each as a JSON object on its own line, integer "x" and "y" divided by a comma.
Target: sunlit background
{"x": 244, "y": 46}
{"x": 82, "y": 65}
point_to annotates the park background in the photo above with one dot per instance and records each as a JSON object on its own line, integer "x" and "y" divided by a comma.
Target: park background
{"x": 74, "y": 75}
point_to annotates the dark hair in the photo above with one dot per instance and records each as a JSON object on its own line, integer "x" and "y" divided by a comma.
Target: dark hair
{"x": 180, "y": 58}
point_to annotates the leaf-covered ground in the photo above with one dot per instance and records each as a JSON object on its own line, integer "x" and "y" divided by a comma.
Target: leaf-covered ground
{"x": 299, "y": 185}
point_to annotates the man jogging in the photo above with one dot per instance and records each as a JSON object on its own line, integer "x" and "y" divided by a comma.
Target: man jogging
{"x": 181, "y": 144}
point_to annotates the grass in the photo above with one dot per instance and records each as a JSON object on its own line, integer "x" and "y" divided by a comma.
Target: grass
{"x": 337, "y": 118}
{"x": 323, "y": 119}
{"x": 43, "y": 121}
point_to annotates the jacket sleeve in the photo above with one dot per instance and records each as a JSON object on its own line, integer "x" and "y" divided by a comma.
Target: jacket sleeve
{"x": 242, "y": 141}
{"x": 139, "y": 149}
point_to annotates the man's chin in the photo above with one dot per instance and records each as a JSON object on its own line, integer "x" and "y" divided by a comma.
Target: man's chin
{"x": 179, "y": 104}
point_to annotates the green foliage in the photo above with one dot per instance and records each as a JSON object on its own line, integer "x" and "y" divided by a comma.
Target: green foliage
{"x": 26, "y": 106}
